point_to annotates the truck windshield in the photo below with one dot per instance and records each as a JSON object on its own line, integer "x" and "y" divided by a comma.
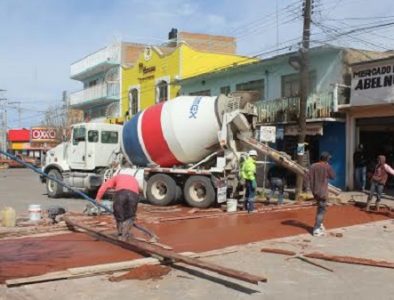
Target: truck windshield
{"x": 109, "y": 137}
{"x": 79, "y": 135}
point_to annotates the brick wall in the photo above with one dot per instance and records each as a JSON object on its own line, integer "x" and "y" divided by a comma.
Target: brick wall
{"x": 209, "y": 43}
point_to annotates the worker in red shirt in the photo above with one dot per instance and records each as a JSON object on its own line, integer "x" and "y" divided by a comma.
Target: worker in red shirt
{"x": 125, "y": 202}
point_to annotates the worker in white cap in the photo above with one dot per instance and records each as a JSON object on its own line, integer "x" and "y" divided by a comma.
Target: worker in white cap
{"x": 248, "y": 173}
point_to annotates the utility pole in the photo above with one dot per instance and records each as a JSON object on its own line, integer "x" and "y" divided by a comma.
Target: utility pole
{"x": 3, "y": 125}
{"x": 304, "y": 89}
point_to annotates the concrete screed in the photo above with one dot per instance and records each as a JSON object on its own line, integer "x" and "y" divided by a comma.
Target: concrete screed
{"x": 287, "y": 278}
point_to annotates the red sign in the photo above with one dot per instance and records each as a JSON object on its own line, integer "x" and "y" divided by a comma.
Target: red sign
{"x": 19, "y": 135}
{"x": 43, "y": 134}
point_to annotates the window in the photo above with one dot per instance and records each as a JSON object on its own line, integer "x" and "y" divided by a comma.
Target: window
{"x": 225, "y": 90}
{"x": 291, "y": 84}
{"x": 93, "y": 136}
{"x": 133, "y": 101}
{"x": 79, "y": 135}
{"x": 201, "y": 93}
{"x": 109, "y": 137}
{"x": 92, "y": 83}
{"x": 162, "y": 91}
{"x": 253, "y": 85}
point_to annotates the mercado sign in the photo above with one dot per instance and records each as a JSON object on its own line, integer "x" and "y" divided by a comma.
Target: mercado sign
{"x": 373, "y": 83}
{"x": 43, "y": 134}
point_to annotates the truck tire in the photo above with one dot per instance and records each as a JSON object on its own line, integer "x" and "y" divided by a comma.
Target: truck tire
{"x": 54, "y": 189}
{"x": 199, "y": 192}
{"x": 162, "y": 190}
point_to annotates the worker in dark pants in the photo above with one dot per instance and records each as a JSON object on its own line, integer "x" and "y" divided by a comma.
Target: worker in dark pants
{"x": 318, "y": 176}
{"x": 248, "y": 174}
{"x": 277, "y": 180}
{"x": 125, "y": 202}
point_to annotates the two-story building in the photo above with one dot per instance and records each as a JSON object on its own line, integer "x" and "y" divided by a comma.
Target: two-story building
{"x": 278, "y": 83}
{"x": 101, "y": 78}
{"x": 370, "y": 113}
{"x": 154, "y": 76}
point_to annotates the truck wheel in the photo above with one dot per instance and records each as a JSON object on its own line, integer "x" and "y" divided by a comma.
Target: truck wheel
{"x": 199, "y": 192}
{"x": 53, "y": 188}
{"x": 162, "y": 190}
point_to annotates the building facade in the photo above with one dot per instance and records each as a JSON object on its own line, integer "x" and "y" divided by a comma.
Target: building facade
{"x": 100, "y": 75}
{"x": 155, "y": 75}
{"x": 278, "y": 84}
{"x": 370, "y": 114}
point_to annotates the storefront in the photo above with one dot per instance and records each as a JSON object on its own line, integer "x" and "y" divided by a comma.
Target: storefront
{"x": 34, "y": 142}
{"x": 320, "y": 136}
{"x": 370, "y": 115}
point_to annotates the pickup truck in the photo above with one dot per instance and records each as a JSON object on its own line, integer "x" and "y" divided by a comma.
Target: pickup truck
{"x": 6, "y": 163}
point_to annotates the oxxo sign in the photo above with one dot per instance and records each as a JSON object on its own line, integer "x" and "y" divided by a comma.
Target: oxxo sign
{"x": 43, "y": 134}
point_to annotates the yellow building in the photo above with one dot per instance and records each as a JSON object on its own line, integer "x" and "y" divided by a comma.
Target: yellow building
{"x": 153, "y": 77}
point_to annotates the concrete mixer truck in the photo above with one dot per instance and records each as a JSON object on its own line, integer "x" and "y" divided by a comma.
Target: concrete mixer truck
{"x": 181, "y": 149}
{"x": 187, "y": 148}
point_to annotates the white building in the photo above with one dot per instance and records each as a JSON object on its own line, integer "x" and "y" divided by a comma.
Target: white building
{"x": 100, "y": 74}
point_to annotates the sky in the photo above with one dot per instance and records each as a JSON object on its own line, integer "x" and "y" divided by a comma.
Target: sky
{"x": 39, "y": 39}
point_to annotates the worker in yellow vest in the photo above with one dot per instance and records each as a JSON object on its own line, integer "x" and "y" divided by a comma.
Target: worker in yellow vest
{"x": 248, "y": 173}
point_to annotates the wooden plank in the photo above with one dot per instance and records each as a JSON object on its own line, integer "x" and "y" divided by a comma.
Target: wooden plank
{"x": 149, "y": 249}
{"x": 278, "y": 251}
{"x": 87, "y": 271}
{"x": 351, "y": 260}
{"x": 37, "y": 279}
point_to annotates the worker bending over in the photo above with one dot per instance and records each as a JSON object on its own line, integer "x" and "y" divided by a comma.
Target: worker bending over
{"x": 125, "y": 202}
{"x": 248, "y": 173}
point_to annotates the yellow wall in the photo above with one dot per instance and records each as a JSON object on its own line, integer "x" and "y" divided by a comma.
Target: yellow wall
{"x": 183, "y": 62}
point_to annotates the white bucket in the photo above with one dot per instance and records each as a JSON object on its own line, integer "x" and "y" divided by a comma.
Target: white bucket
{"x": 35, "y": 212}
{"x": 232, "y": 205}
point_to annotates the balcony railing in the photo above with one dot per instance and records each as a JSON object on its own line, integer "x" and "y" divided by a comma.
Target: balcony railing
{"x": 106, "y": 56}
{"x": 287, "y": 110}
{"x": 98, "y": 93}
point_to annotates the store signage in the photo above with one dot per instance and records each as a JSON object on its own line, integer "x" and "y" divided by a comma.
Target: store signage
{"x": 268, "y": 134}
{"x": 373, "y": 83}
{"x": 43, "y": 134}
{"x": 145, "y": 69}
{"x": 311, "y": 129}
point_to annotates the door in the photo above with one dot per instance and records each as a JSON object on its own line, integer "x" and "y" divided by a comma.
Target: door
{"x": 78, "y": 148}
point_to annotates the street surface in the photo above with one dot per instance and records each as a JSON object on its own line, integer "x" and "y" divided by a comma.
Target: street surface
{"x": 287, "y": 278}
{"x": 21, "y": 187}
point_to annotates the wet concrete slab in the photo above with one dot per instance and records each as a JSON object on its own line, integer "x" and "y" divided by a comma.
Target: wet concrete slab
{"x": 36, "y": 256}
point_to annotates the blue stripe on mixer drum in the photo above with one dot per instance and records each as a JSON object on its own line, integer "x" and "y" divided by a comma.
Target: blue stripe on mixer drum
{"x": 131, "y": 142}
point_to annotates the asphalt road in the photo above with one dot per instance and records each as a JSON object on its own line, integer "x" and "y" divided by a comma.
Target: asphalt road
{"x": 21, "y": 187}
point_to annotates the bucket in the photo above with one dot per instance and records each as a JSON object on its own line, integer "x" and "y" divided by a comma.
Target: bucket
{"x": 35, "y": 212}
{"x": 232, "y": 205}
{"x": 8, "y": 216}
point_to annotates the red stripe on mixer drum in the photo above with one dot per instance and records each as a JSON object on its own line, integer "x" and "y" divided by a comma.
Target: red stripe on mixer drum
{"x": 153, "y": 137}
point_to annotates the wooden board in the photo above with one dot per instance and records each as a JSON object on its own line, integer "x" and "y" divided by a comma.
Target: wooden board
{"x": 149, "y": 249}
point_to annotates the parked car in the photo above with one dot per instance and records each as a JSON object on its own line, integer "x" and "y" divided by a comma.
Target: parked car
{"x": 6, "y": 163}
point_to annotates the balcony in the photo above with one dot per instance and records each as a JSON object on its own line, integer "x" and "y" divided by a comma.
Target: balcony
{"x": 96, "y": 95}
{"x": 286, "y": 110}
{"x": 97, "y": 62}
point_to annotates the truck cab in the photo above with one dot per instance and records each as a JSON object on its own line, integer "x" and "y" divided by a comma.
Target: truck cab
{"x": 81, "y": 161}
